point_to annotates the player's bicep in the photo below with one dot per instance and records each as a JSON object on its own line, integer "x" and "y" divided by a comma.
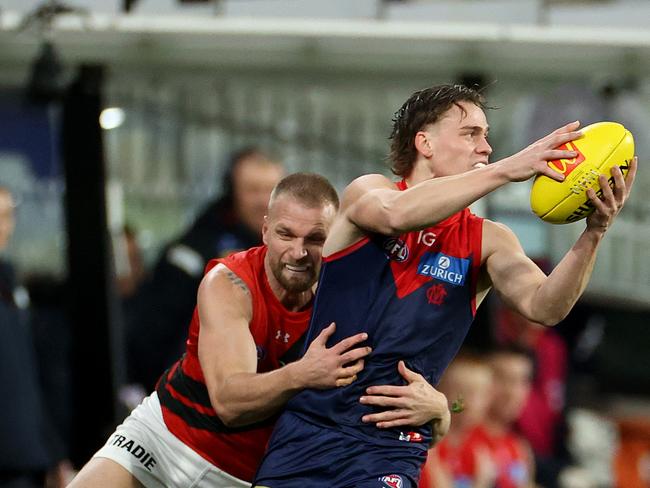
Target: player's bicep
{"x": 513, "y": 274}
{"x": 367, "y": 203}
{"x": 226, "y": 346}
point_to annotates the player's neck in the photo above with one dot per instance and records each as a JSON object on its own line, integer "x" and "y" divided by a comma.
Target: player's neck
{"x": 421, "y": 172}
{"x": 294, "y": 301}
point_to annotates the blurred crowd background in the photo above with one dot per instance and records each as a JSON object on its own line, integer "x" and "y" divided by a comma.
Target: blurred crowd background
{"x": 139, "y": 138}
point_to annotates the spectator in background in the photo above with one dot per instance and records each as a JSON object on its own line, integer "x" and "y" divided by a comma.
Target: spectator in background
{"x": 157, "y": 323}
{"x": 482, "y": 448}
{"x": 542, "y": 418}
{"x": 512, "y": 373}
{"x": 458, "y": 460}
{"x": 29, "y": 446}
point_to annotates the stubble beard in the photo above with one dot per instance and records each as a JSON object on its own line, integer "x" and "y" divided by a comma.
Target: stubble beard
{"x": 294, "y": 284}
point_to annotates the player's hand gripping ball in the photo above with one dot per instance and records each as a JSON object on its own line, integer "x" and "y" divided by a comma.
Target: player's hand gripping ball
{"x": 602, "y": 146}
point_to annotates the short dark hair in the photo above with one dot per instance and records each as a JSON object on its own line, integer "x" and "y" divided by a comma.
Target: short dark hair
{"x": 422, "y": 108}
{"x": 311, "y": 189}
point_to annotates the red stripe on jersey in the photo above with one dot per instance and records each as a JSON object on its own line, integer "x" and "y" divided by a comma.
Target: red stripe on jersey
{"x": 238, "y": 454}
{"x": 348, "y": 250}
{"x": 189, "y": 403}
{"x": 477, "y": 248}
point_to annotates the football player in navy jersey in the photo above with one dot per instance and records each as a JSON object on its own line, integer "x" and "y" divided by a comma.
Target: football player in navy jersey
{"x": 408, "y": 263}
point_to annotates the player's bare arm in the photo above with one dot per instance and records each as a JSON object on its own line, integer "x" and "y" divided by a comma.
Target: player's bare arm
{"x": 524, "y": 287}
{"x": 228, "y": 356}
{"x": 372, "y": 203}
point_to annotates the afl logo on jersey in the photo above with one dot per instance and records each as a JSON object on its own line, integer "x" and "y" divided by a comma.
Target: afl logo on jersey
{"x": 392, "y": 480}
{"x": 396, "y": 249}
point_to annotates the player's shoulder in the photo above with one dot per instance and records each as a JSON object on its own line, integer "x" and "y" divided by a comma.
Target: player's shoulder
{"x": 223, "y": 280}
{"x": 364, "y": 184}
{"x": 371, "y": 180}
{"x": 498, "y": 237}
{"x": 492, "y": 229}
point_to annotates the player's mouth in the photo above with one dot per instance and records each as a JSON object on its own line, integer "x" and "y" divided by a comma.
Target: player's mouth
{"x": 294, "y": 268}
{"x": 479, "y": 165}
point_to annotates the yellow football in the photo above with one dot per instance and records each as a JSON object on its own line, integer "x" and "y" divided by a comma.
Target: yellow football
{"x": 602, "y": 146}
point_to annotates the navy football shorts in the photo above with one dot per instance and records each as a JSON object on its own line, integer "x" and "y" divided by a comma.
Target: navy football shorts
{"x": 303, "y": 454}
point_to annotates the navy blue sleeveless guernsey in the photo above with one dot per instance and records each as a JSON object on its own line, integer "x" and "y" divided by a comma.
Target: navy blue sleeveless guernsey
{"x": 415, "y": 297}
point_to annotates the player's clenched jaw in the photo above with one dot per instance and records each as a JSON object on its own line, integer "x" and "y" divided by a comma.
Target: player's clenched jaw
{"x": 294, "y": 234}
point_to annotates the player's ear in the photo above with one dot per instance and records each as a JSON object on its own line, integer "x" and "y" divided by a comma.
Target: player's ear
{"x": 265, "y": 229}
{"x": 423, "y": 144}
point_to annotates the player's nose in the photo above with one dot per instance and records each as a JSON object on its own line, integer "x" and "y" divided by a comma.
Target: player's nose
{"x": 484, "y": 147}
{"x": 298, "y": 249}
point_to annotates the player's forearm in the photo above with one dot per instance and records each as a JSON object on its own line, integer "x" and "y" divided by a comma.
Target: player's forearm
{"x": 563, "y": 287}
{"x": 436, "y": 199}
{"x": 246, "y": 398}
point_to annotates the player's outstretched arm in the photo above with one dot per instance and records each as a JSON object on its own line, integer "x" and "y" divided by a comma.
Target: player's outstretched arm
{"x": 415, "y": 403}
{"x": 228, "y": 356}
{"x": 372, "y": 202}
{"x": 524, "y": 287}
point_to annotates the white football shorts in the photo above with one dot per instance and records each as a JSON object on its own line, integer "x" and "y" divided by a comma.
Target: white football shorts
{"x": 143, "y": 445}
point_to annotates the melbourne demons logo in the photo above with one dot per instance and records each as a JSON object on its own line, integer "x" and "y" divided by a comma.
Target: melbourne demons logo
{"x": 436, "y": 294}
{"x": 566, "y": 166}
{"x": 396, "y": 249}
{"x": 392, "y": 480}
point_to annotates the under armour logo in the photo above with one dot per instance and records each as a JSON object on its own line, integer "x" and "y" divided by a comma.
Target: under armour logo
{"x": 280, "y": 336}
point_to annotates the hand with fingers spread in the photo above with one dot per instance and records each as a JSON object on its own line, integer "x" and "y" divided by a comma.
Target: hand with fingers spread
{"x": 415, "y": 403}
{"x": 609, "y": 201}
{"x": 322, "y": 367}
{"x": 533, "y": 160}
